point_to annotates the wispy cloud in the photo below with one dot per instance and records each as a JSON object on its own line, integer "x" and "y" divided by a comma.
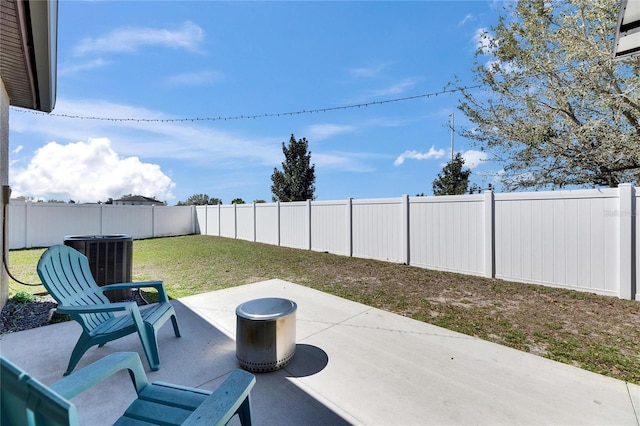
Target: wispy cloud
{"x": 202, "y": 78}
{"x": 69, "y": 69}
{"x": 432, "y": 154}
{"x": 395, "y": 89}
{"x": 319, "y": 132}
{"x": 367, "y": 72}
{"x": 355, "y": 162}
{"x": 467, "y": 18}
{"x": 127, "y": 40}
{"x": 196, "y": 143}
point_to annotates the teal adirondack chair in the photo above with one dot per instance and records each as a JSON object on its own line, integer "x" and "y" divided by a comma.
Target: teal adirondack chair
{"x": 66, "y": 275}
{"x": 25, "y": 401}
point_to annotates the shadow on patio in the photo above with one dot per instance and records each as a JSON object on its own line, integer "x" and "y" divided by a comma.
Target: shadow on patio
{"x": 353, "y": 365}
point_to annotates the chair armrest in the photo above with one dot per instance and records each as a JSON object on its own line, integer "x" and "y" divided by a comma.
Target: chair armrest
{"x": 158, "y": 285}
{"x": 81, "y": 380}
{"x": 223, "y": 403}
{"x": 92, "y": 309}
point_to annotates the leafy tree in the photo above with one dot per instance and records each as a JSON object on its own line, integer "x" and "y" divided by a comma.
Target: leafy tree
{"x": 556, "y": 109}
{"x": 296, "y": 180}
{"x": 237, "y": 201}
{"x": 200, "y": 200}
{"x": 259, "y": 201}
{"x": 453, "y": 179}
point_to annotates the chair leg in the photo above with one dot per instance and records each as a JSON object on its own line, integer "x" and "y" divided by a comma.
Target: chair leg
{"x": 174, "y": 321}
{"x": 150, "y": 345}
{"x": 83, "y": 344}
{"x": 244, "y": 412}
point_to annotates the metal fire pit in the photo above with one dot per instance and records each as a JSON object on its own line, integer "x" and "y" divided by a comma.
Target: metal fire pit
{"x": 265, "y": 334}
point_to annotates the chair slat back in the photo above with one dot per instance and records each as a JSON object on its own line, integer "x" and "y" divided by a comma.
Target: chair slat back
{"x": 66, "y": 275}
{"x": 24, "y": 401}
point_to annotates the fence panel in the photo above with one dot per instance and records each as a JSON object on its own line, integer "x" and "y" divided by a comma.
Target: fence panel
{"x": 48, "y": 223}
{"x": 267, "y": 229}
{"x": 294, "y": 225}
{"x": 560, "y": 238}
{"x": 245, "y": 223}
{"x": 202, "y": 219}
{"x": 227, "y": 221}
{"x": 172, "y": 221}
{"x": 135, "y": 221}
{"x": 17, "y": 220}
{"x": 447, "y": 233}
{"x": 213, "y": 220}
{"x": 377, "y": 229}
{"x": 329, "y": 227}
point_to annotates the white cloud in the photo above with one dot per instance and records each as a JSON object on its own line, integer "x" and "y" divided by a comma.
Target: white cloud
{"x": 319, "y": 132}
{"x": 88, "y": 172}
{"x": 202, "y": 78}
{"x": 473, "y": 158}
{"x": 467, "y": 18}
{"x": 17, "y": 149}
{"x": 130, "y": 39}
{"x": 367, "y": 72}
{"x": 483, "y": 40}
{"x": 69, "y": 69}
{"x": 198, "y": 143}
{"x": 432, "y": 154}
{"x": 343, "y": 161}
{"x": 395, "y": 89}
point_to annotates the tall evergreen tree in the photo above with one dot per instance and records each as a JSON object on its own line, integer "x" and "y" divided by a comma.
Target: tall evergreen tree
{"x": 453, "y": 179}
{"x": 296, "y": 180}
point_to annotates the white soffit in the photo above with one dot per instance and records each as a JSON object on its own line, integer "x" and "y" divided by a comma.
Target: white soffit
{"x": 627, "y": 41}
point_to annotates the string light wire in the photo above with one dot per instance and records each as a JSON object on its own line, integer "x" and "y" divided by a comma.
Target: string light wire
{"x": 250, "y": 116}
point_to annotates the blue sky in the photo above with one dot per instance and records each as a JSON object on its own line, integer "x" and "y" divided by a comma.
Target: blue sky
{"x": 157, "y": 62}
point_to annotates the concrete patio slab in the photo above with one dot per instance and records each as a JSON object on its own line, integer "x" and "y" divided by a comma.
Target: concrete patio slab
{"x": 353, "y": 365}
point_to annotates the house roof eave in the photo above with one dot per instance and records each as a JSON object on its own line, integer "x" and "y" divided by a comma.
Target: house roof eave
{"x": 28, "y": 52}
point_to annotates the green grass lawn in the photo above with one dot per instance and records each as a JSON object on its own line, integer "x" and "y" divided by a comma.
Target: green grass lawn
{"x": 597, "y": 333}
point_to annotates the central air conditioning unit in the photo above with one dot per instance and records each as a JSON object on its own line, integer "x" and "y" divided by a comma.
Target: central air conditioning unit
{"x": 110, "y": 260}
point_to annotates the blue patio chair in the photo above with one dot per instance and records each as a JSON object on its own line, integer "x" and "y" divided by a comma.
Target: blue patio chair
{"x": 66, "y": 275}
{"x": 24, "y": 401}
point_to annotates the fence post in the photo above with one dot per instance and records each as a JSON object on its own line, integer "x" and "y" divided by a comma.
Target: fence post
{"x": 153, "y": 221}
{"x": 27, "y": 217}
{"x": 219, "y": 220}
{"x": 194, "y": 219}
{"x": 406, "y": 231}
{"x": 278, "y": 219}
{"x": 206, "y": 220}
{"x": 235, "y": 221}
{"x": 309, "y": 224}
{"x": 102, "y": 219}
{"x": 255, "y": 224}
{"x": 349, "y": 227}
{"x": 489, "y": 235}
{"x": 626, "y": 194}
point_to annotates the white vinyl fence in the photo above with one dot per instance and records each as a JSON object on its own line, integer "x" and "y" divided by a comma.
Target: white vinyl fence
{"x": 583, "y": 240}
{"x": 44, "y": 224}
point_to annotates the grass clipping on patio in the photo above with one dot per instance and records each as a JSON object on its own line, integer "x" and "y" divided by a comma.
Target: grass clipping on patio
{"x": 596, "y": 333}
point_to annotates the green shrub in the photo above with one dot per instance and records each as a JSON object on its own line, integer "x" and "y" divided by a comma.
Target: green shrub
{"x": 23, "y": 297}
